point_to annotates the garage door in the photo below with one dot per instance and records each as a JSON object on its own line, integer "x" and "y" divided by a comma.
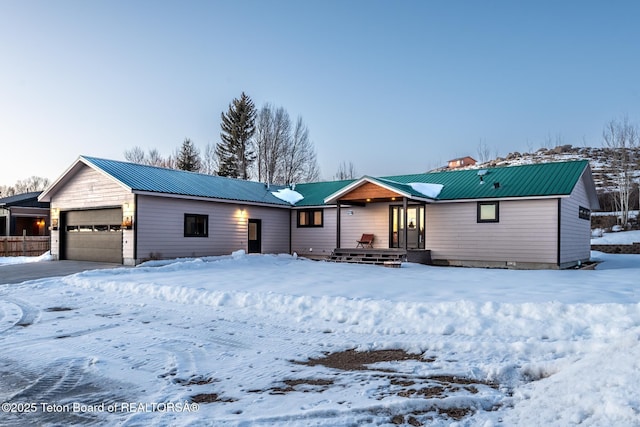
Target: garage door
{"x": 93, "y": 235}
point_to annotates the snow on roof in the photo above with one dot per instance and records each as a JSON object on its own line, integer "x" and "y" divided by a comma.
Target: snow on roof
{"x": 288, "y": 195}
{"x": 429, "y": 190}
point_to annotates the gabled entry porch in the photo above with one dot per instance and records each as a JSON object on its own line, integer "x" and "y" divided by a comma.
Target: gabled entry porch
{"x": 393, "y": 212}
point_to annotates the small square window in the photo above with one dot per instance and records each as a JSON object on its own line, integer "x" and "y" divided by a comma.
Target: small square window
{"x": 488, "y": 212}
{"x": 310, "y": 218}
{"x": 196, "y": 225}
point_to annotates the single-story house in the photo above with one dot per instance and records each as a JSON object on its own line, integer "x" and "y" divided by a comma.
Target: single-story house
{"x": 24, "y": 215}
{"x": 529, "y": 216}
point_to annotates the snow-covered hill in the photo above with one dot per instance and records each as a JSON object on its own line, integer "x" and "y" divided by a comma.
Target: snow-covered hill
{"x": 601, "y": 160}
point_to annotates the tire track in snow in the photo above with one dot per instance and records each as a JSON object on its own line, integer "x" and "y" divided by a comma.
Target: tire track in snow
{"x": 63, "y": 382}
{"x": 60, "y": 380}
{"x": 21, "y": 311}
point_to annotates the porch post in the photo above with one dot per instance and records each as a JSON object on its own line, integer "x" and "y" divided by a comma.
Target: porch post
{"x": 406, "y": 216}
{"x": 338, "y": 227}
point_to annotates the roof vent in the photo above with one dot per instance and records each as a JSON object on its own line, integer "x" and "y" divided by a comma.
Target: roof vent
{"x": 496, "y": 185}
{"x": 481, "y": 173}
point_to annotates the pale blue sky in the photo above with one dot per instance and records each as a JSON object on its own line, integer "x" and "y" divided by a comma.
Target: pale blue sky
{"x": 393, "y": 86}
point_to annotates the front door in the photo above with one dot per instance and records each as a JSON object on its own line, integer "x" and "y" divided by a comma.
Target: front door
{"x": 255, "y": 233}
{"x": 415, "y": 227}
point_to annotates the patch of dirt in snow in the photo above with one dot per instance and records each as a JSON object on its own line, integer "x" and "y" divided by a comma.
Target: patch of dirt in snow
{"x": 210, "y": 398}
{"x": 434, "y": 390}
{"x": 352, "y": 360}
{"x": 306, "y": 385}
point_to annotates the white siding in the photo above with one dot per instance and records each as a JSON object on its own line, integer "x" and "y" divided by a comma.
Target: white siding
{"x": 526, "y": 233}
{"x": 161, "y": 228}
{"x": 89, "y": 189}
{"x": 321, "y": 241}
{"x": 575, "y": 241}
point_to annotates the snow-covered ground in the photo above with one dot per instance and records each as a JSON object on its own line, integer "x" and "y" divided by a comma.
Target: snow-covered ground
{"x": 623, "y": 237}
{"x": 24, "y": 259}
{"x": 265, "y": 340}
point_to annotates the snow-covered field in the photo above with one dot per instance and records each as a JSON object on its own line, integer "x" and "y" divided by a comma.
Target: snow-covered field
{"x": 268, "y": 340}
{"x": 625, "y": 237}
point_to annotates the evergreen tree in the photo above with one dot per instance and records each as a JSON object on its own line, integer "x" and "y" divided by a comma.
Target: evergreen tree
{"x": 234, "y": 152}
{"x": 188, "y": 158}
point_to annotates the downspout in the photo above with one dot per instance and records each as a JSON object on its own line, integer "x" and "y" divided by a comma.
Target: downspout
{"x": 559, "y": 248}
{"x": 338, "y": 226}
{"x": 290, "y": 231}
{"x": 405, "y": 233}
{"x": 135, "y": 229}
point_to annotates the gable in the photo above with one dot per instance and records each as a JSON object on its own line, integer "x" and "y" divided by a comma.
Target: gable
{"x": 369, "y": 191}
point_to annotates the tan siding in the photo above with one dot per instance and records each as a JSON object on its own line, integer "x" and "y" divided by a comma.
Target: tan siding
{"x": 575, "y": 237}
{"x": 371, "y": 219}
{"x": 526, "y": 232}
{"x": 320, "y": 241}
{"x": 275, "y": 228}
{"x": 161, "y": 228}
{"x": 316, "y": 241}
{"x": 89, "y": 189}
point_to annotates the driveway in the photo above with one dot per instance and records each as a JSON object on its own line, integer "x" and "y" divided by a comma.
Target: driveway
{"x": 17, "y": 273}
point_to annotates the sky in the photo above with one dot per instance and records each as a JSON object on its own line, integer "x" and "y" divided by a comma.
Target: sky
{"x": 395, "y": 87}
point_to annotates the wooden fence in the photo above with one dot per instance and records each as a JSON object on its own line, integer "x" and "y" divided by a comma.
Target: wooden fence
{"x": 24, "y": 245}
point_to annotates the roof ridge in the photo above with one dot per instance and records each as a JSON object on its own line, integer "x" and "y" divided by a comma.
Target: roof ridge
{"x": 168, "y": 169}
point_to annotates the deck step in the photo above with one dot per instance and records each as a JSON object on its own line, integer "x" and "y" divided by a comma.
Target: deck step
{"x": 384, "y": 257}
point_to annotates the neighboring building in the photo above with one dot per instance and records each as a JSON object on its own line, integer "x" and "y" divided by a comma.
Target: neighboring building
{"x": 532, "y": 216}
{"x": 23, "y": 214}
{"x": 461, "y": 162}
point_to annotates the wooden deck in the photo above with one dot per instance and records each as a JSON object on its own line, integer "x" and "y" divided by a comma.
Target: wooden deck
{"x": 384, "y": 257}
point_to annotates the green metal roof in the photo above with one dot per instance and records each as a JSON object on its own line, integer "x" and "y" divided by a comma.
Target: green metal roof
{"x": 171, "y": 181}
{"x": 535, "y": 180}
{"x": 315, "y": 193}
{"x": 542, "y": 179}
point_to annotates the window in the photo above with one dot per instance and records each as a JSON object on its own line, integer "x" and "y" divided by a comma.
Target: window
{"x": 310, "y": 218}
{"x": 196, "y": 225}
{"x": 584, "y": 213}
{"x": 488, "y": 212}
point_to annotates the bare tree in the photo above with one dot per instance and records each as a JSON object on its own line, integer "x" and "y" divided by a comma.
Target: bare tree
{"x": 345, "y": 171}
{"x": 483, "y": 152}
{"x": 135, "y": 155}
{"x": 529, "y": 144}
{"x": 209, "y": 163}
{"x": 299, "y": 162}
{"x": 29, "y": 185}
{"x": 272, "y": 129}
{"x": 623, "y": 138}
{"x": 285, "y": 153}
{"x": 152, "y": 158}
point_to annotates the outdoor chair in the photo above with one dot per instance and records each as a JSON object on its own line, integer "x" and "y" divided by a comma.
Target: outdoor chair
{"x": 366, "y": 241}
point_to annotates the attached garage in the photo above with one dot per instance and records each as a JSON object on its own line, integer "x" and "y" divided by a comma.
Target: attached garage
{"x": 92, "y": 235}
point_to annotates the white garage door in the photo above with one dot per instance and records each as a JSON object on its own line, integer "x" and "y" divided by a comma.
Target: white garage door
{"x": 92, "y": 235}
